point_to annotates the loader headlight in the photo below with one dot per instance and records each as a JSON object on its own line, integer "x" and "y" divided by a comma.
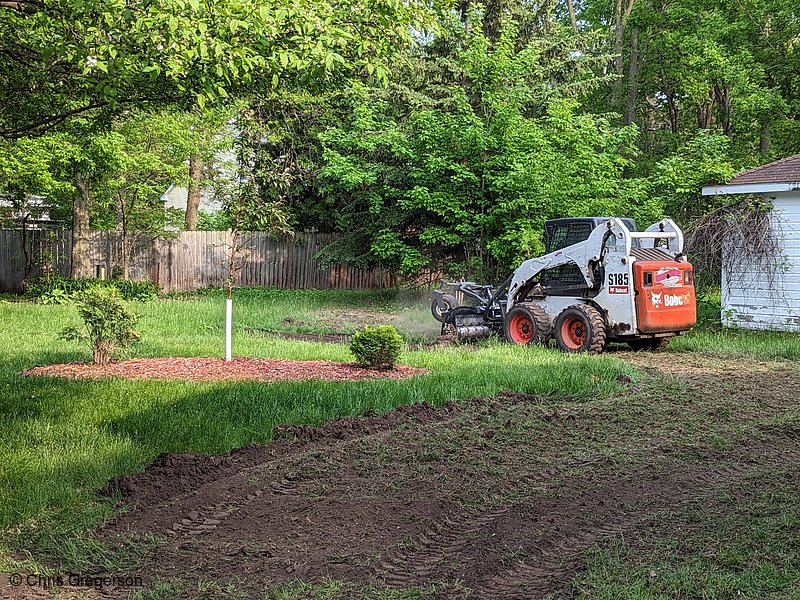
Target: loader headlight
{"x": 687, "y": 277}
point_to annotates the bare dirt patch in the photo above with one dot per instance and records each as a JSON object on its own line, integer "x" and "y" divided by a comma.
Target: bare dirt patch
{"x": 351, "y": 318}
{"x": 488, "y": 498}
{"x": 215, "y": 369}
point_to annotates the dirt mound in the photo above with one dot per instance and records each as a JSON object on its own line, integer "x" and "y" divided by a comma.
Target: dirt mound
{"x": 173, "y": 474}
{"x": 216, "y": 369}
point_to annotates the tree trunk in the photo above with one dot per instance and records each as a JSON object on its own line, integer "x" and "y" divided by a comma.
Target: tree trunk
{"x": 26, "y": 252}
{"x": 633, "y": 78}
{"x": 572, "y": 18}
{"x": 463, "y": 11}
{"x": 494, "y": 13}
{"x": 723, "y": 96}
{"x": 80, "y": 260}
{"x": 193, "y": 197}
{"x": 705, "y": 112}
{"x": 671, "y": 104}
{"x": 673, "y": 113}
{"x": 620, "y": 19}
{"x": 763, "y": 142}
{"x": 119, "y": 224}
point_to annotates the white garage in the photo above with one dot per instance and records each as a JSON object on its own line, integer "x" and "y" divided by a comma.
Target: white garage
{"x": 755, "y": 297}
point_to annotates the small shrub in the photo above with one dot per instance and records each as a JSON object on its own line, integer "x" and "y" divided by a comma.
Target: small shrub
{"x": 55, "y": 289}
{"x": 107, "y": 322}
{"x": 377, "y": 347}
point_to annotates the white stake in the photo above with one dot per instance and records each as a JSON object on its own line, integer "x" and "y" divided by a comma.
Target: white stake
{"x": 228, "y": 327}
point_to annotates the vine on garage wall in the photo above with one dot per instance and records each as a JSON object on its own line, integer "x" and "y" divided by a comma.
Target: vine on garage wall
{"x": 739, "y": 238}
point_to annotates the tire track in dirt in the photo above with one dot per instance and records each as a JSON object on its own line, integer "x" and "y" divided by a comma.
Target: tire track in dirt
{"x": 553, "y": 530}
{"x": 440, "y": 541}
{"x": 180, "y": 507}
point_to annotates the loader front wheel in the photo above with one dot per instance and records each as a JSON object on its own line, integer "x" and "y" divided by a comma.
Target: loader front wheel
{"x": 527, "y": 324}
{"x": 580, "y": 328}
{"x": 439, "y": 310}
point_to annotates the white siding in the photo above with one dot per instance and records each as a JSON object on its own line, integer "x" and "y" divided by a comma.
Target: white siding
{"x": 752, "y": 299}
{"x": 177, "y": 197}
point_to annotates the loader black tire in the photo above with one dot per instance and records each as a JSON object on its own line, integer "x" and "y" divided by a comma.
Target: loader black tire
{"x": 449, "y": 303}
{"x": 527, "y": 324}
{"x": 580, "y": 328}
{"x": 650, "y": 344}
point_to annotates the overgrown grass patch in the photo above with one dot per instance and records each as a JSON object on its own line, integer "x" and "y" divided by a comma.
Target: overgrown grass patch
{"x": 709, "y": 336}
{"x": 737, "y": 343}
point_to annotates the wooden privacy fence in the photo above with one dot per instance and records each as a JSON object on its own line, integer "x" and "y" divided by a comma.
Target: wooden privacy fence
{"x": 195, "y": 259}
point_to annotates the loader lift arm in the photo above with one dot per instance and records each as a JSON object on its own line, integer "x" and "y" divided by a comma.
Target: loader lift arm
{"x": 588, "y": 255}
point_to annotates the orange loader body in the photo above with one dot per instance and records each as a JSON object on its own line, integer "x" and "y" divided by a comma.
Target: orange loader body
{"x": 665, "y": 298}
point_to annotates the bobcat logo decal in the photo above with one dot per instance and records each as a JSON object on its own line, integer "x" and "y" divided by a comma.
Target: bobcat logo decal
{"x": 656, "y": 298}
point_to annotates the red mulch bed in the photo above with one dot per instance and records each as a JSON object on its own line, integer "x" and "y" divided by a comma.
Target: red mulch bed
{"x": 216, "y": 369}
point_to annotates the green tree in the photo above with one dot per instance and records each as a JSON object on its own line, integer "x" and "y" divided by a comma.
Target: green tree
{"x": 690, "y": 65}
{"x": 84, "y": 163}
{"x": 68, "y": 57}
{"x": 26, "y": 180}
{"x": 461, "y": 171}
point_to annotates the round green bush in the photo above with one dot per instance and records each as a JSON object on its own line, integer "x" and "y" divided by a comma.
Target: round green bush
{"x": 377, "y": 346}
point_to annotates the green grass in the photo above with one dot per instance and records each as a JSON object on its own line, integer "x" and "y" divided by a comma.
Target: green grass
{"x": 331, "y": 589}
{"x": 710, "y": 337}
{"x": 62, "y": 440}
{"x": 741, "y": 545}
{"x": 738, "y": 343}
{"x": 328, "y": 589}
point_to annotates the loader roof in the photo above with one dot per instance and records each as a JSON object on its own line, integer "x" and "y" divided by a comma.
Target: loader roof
{"x": 560, "y": 233}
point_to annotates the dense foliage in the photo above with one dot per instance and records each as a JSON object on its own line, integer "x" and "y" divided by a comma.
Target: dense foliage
{"x": 66, "y": 57}
{"x": 435, "y": 138}
{"x": 468, "y": 173}
{"x": 486, "y": 131}
{"x": 55, "y": 289}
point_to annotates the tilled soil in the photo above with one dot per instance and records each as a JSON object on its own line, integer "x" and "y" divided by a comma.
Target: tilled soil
{"x": 487, "y": 498}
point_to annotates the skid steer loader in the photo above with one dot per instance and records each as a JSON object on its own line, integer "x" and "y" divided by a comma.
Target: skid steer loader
{"x": 601, "y": 281}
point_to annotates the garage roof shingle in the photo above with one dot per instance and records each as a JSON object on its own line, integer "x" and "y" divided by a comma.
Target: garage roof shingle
{"x": 781, "y": 171}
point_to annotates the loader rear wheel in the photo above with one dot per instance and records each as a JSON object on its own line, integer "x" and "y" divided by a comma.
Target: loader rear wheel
{"x": 438, "y": 310}
{"x": 528, "y": 324}
{"x": 580, "y": 328}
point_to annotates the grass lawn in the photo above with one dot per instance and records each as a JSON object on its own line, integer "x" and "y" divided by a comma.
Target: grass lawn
{"x": 62, "y": 440}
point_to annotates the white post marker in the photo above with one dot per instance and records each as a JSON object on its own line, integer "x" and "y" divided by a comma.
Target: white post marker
{"x": 228, "y": 327}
